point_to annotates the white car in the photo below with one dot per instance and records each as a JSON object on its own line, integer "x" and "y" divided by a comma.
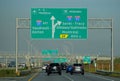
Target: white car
{"x": 44, "y": 67}
{"x": 77, "y": 68}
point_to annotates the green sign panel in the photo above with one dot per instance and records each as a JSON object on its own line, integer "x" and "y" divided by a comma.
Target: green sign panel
{"x": 55, "y": 60}
{"x": 86, "y": 60}
{"x": 59, "y": 23}
{"x": 60, "y": 60}
{"x": 49, "y": 52}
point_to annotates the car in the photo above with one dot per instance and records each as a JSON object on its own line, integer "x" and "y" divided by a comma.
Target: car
{"x": 44, "y": 67}
{"x": 53, "y": 68}
{"x": 77, "y": 68}
{"x": 12, "y": 64}
{"x": 22, "y": 65}
{"x": 68, "y": 68}
{"x": 63, "y": 66}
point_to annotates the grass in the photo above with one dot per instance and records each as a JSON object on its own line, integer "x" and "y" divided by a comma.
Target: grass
{"x": 91, "y": 68}
{"x": 10, "y": 72}
{"x": 7, "y": 73}
{"x": 115, "y": 75}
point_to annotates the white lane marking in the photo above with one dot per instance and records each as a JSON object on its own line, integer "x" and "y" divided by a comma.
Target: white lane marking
{"x": 101, "y": 77}
{"x": 68, "y": 78}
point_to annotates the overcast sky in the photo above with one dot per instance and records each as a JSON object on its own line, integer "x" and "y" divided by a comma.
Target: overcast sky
{"x": 98, "y": 41}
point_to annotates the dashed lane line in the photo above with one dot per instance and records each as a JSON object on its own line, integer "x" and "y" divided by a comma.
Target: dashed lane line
{"x": 102, "y": 78}
{"x": 68, "y": 78}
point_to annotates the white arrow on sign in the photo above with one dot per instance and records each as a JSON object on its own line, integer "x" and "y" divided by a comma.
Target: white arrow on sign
{"x": 58, "y": 23}
{"x": 54, "y": 25}
{"x": 52, "y": 18}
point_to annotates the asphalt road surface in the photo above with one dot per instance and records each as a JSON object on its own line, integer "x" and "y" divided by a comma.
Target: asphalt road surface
{"x": 75, "y": 77}
{"x": 42, "y": 76}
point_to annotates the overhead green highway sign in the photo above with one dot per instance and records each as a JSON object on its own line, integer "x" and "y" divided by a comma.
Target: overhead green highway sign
{"x": 86, "y": 59}
{"x": 59, "y": 23}
{"x": 49, "y": 52}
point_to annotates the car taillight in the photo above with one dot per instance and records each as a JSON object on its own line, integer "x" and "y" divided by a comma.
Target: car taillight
{"x": 82, "y": 67}
{"x": 73, "y": 67}
{"x": 59, "y": 67}
{"x": 48, "y": 67}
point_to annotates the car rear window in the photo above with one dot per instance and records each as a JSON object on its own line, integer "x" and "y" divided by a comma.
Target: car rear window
{"x": 77, "y": 64}
{"x": 54, "y": 64}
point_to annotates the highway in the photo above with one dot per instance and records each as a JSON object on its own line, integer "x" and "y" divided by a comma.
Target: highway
{"x": 42, "y": 76}
{"x": 75, "y": 77}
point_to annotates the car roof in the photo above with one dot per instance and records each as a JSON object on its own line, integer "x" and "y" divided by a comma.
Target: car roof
{"x": 54, "y": 64}
{"x": 77, "y": 64}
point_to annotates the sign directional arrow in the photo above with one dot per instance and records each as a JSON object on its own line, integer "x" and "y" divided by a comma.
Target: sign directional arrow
{"x": 54, "y": 25}
{"x": 52, "y": 18}
{"x": 58, "y": 23}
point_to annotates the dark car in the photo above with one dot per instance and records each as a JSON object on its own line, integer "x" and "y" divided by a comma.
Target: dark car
{"x": 69, "y": 68}
{"x": 77, "y": 68}
{"x": 12, "y": 64}
{"x": 53, "y": 68}
{"x": 63, "y": 66}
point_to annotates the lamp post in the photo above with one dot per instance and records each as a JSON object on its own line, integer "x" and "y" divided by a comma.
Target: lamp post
{"x": 16, "y": 45}
{"x": 76, "y": 59}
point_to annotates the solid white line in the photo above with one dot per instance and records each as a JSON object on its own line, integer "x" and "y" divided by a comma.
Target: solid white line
{"x": 68, "y": 78}
{"x": 101, "y": 77}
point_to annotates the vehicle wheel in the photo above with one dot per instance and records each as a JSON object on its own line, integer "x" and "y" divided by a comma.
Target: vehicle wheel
{"x": 60, "y": 73}
{"x": 48, "y": 73}
{"x": 71, "y": 73}
{"x": 82, "y": 73}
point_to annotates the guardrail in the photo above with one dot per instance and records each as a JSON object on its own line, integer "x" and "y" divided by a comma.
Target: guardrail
{"x": 106, "y": 72}
{"x": 116, "y": 73}
{"x": 103, "y": 72}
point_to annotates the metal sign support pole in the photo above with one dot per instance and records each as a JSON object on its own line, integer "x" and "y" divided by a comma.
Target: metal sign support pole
{"x": 16, "y": 45}
{"x": 112, "y": 57}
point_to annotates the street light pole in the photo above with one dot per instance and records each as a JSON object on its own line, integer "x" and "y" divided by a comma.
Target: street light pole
{"x": 112, "y": 57}
{"x": 16, "y": 45}
{"x": 29, "y": 54}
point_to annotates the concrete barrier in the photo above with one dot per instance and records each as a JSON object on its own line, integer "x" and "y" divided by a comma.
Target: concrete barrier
{"x": 106, "y": 72}
{"x": 103, "y": 72}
